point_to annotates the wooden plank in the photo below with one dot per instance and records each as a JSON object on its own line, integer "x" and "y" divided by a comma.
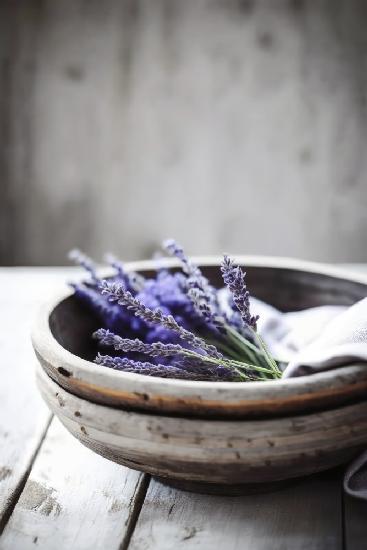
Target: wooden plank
{"x": 19, "y": 31}
{"x": 172, "y": 100}
{"x": 355, "y": 525}
{"x": 73, "y": 499}
{"x": 24, "y": 417}
{"x": 306, "y": 516}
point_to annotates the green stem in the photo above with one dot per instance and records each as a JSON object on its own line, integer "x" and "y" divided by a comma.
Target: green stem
{"x": 224, "y": 348}
{"x": 256, "y": 368}
{"x": 254, "y": 353}
{"x": 246, "y": 343}
{"x": 241, "y": 346}
{"x": 269, "y": 358}
{"x": 227, "y": 362}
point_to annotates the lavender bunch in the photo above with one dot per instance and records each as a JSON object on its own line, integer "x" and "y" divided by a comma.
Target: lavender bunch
{"x": 117, "y": 293}
{"x": 204, "y": 298}
{"x": 178, "y": 321}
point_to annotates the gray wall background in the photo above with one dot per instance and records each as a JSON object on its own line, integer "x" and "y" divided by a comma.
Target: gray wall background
{"x": 232, "y": 125}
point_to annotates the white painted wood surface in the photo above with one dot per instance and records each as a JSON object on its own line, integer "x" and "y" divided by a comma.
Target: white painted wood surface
{"x": 306, "y": 516}
{"x": 233, "y": 125}
{"x": 73, "y": 499}
{"x": 23, "y": 416}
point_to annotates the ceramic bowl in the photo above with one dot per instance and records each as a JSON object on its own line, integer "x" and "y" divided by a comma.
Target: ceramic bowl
{"x": 227, "y": 456}
{"x": 61, "y": 339}
{"x": 209, "y": 436}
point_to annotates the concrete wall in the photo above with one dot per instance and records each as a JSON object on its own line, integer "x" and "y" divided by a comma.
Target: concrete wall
{"x": 232, "y": 125}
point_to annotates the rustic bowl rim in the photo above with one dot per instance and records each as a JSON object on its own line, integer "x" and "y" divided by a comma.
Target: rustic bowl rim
{"x": 54, "y": 354}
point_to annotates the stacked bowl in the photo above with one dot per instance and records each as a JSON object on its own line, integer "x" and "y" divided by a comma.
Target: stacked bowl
{"x": 213, "y": 437}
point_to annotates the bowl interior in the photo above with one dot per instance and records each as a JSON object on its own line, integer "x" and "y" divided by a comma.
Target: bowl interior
{"x": 72, "y": 323}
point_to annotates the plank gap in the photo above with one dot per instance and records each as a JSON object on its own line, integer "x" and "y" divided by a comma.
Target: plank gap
{"x": 292, "y": 518}
{"x": 73, "y": 498}
{"x": 23, "y": 480}
{"x": 137, "y": 505}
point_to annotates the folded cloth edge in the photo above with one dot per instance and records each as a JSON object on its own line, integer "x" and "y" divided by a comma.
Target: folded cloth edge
{"x": 352, "y": 471}
{"x": 315, "y": 361}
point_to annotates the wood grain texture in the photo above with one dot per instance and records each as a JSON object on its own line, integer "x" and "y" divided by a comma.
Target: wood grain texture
{"x": 19, "y": 28}
{"x": 232, "y": 125}
{"x": 72, "y": 499}
{"x": 302, "y": 517}
{"x": 23, "y": 416}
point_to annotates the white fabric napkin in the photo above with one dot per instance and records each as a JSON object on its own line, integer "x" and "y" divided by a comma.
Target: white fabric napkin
{"x": 317, "y": 339}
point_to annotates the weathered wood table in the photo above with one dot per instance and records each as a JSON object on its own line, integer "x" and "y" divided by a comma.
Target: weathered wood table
{"x": 56, "y": 494}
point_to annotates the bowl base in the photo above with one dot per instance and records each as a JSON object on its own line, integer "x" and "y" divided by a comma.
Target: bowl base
{"x": 223, "y": 489}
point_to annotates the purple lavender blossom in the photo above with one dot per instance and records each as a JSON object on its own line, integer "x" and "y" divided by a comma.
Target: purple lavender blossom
{"x": 234, "y": 278}
{"x": 173, "y": 248}
{"x": 168, "y": 293}
{"x": 195, "y": 277}
{"x": 213, "y": 319}
{"x": 118, "y": 294}
{"x": 202, "y": 294}
{"x": 87, "y": 292}
{"x": 131, "y": 280}
{"x": 142, "y": 367}
{"x": 218, "y": 372}
{"x": 84, "y": 261}
{"x": 111, "y": 315}
{"x": 175, "y": 318}
{"x": 155, "y": 349}
{"x": 180, "y": 356}
{"x": 162, "y": 371}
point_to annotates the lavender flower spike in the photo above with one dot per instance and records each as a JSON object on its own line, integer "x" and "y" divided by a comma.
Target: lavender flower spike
{"x": 202, "y": 295}
{"x": 156, "y": 349}
{"x": 234, "y": 278}
{"x": 173, "y": 248}
{"x": 130, "y": 279}
{"x": 196, "y": 278}
{"x": 151, "y": 369}
{"x": 84, "y": 261}
{"x": 118, "y": 294}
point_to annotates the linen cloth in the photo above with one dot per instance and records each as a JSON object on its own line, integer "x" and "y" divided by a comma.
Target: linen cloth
{"x": 314, "y": 340}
